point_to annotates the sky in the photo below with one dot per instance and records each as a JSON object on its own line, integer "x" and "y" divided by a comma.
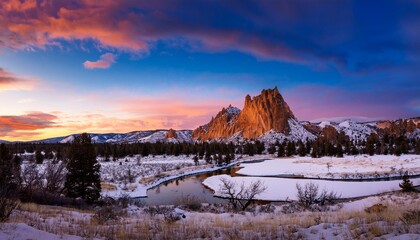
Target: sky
{"x": 71, "y": 66}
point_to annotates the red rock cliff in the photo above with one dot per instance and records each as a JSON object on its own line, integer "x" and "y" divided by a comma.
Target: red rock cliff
{"x": 260, "y": 114}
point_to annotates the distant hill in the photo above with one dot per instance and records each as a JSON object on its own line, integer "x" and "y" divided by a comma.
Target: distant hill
{"x": 266, "y": 117}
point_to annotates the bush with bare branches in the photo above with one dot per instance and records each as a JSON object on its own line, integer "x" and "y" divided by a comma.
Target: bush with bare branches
{"x": 240, "y": 197}
{"x": 55, "y": 177}
{"x": 7, "y": 202}
{"x": 309, "y": 195}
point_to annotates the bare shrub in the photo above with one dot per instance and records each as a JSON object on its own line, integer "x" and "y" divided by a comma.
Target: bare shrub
{"x": 32, "y": 179}
{"x": 130, "y": 176}
{"x": 309, "y": 195}
{"x": 411, "y": 217}
{"x": 109, "y": 211}
{"x": 55, "y": 177}
{"x": 124, "y": 200}
{"x": 241, "y": 197}
{"x": 173, "y": 216}
{"x": 376, "y": 208}
{"x": 189, "y": 202}
{"x": 155, "y": 210}
{"x": 7, "y": 202}
{"x": 267, "y": 208}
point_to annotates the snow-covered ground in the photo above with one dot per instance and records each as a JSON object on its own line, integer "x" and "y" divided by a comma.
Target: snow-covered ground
{"x": 21, "y": 231}
{"x": 149, "y": 172}
{"x": 349, "y": 167}
{"x": 283, "y": 189}
{"x": 344, "y": 221}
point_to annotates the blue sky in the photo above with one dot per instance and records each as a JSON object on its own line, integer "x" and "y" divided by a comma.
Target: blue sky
{"x": 117, "y": 66}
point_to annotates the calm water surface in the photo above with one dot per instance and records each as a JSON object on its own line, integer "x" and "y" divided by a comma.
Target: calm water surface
{"x": 174, "y": 191}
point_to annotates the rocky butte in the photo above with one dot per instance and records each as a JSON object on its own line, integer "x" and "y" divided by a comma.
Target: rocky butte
{"x": 265, "y": 112}
{"x": 171, "y": 134}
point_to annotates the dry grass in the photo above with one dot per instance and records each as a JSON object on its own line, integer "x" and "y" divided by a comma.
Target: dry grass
{"x": 146, "y": 180}
{"x": 108, "y": 186}
{"x": 353, "y": 224}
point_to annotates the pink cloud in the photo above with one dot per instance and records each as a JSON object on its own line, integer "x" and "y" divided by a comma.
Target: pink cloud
{"x": 105, "y": 61}
{"x": 37, "y": 25}
{"x": 15, "y": 124}
{"x": 10, "y": 81}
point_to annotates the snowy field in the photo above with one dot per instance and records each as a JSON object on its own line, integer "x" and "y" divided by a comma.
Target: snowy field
{"x": 149, "y": 172}
{"x": 133, "y": 176}
{"x": 283, "y": 189}
{"x": 349, "y": 167}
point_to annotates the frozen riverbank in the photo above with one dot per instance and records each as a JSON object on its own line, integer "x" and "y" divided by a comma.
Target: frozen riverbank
{"x": 349, "y": 167}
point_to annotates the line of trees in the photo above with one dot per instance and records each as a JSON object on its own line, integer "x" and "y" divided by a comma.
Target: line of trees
{"x": 224, "y": 152}
{"x": 77, "y": 178}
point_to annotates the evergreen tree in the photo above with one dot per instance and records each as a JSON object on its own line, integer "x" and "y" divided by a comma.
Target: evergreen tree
{"x": 291, "y": 149}
{"x": 280, "y": 151}
{"x": 339, "y": 151}
{"x": 9, "y": 182}
{"x": 39, "y": 157}
{"x": 315, "y": 150}
{"x": 9, "y": 168}
{"x": 406, "y": 185}
{"x": 259, "y": 147}
{"x": 195, "y": 159}
{"x": 301, "y": 150}
{"x": 271, "y": 149}
{"x": 354, "y": 150}
{"x": 83, "y": 178}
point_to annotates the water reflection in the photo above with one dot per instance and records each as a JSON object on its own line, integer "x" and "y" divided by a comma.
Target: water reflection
{"x": 173, "y": 192}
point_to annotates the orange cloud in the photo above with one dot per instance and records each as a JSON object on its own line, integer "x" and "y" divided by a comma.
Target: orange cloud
{"x": 105, "y": 61}
{"x": 47, "y": 21}
{"x": 172, "y": 112}
{"x": 24, "y": 124}
{"x": 126, "y": 25}
{"x": 19, "y": 6}
{"x": 10, "y": 81}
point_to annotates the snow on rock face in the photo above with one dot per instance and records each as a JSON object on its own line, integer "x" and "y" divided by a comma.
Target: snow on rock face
{"x": 297, "y": 132}
{"x": 356, "y": 131}
{"x": 324, "y": 123}
{"x": 68, "y": 139}
{"x": 131, "y": 137}
{"x": 232, "y": 111}
{"x": 345, "y": 124}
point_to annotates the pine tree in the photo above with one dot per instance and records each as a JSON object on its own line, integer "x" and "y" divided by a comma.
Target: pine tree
{"x": 9, "y": 182}
{"x": 339, "y": 151}
{"x": 271, "y": 149}
{"x": 39, "y": 157}
{"x": 280, "y": 151}
{"x": 83, "y": 177}
{"x": 406, "y": 185}
{"x": 301, "y": 150}
{"x": 315, "y": 150}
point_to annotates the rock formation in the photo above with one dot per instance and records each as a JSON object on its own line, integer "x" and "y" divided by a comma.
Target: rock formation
{"x": 171, "y": 134}
{"x": 265, "y": 112}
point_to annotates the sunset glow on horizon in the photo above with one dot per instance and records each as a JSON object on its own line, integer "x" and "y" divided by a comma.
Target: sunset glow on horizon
{"x": 119, "y": 66}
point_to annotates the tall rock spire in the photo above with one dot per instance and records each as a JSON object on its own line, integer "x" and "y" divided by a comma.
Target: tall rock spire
{"x": 265, "y": 112}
